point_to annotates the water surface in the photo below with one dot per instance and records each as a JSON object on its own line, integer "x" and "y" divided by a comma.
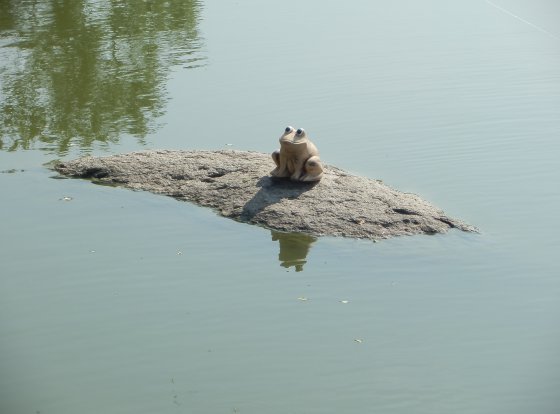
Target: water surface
{"x": 125, "y": 302}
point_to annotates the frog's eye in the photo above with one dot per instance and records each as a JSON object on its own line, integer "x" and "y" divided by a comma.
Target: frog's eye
{"x": 288, "y": 129}
{"x": 300, "y": 132}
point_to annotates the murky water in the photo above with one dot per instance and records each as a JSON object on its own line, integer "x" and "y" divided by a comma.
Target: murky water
{"x": 116, "y": 301}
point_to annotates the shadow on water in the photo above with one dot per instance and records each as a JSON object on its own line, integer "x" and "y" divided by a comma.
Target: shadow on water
{"x": 294, "y": 248}
{"x": 80, "y": 72}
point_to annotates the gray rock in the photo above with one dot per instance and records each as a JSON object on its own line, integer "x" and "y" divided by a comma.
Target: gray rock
{"x": 237, "y": 185}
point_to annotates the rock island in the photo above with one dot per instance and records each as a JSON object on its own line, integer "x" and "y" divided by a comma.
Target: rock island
{"x": 237, "y": 185}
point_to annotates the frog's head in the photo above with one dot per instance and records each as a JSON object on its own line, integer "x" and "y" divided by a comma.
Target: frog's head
{"x": 293, "y": 137}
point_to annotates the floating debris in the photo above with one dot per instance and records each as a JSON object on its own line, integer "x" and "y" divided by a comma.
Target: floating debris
{"x": 303, "y": 298}
{"x": 66, "y": 198}
{"x": 358, "y": 340}
{"x": 344, "y": 301}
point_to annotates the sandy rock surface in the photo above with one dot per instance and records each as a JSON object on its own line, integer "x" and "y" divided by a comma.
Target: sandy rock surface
{"x": 237, "y": 185}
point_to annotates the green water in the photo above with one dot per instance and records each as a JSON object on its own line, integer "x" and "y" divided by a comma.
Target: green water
{"x": 114, "y": 301}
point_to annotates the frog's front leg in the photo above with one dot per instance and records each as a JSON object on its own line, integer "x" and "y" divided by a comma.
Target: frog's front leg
{"x": 313, "y": 169}
{"x": 281, "y": 169}
{"x": 297, "y": 168}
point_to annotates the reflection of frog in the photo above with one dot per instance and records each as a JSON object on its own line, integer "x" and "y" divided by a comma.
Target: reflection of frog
{"x": 297, "y": 158}
{"x": 294, "y": 248}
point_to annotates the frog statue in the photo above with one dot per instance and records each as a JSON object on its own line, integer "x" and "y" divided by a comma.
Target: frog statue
{"x": 298, "y": 158}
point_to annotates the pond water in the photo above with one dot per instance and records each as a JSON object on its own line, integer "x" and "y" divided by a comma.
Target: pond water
{"x": 115, "y": 301}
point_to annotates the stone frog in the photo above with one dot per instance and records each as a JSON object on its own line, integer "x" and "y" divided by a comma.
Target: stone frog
{"x": 298, "y": 157}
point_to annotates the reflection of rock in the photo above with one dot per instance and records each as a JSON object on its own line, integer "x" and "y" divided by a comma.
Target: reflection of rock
{"x": 237, "y": 185}
{"x": 293, "y": 248}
